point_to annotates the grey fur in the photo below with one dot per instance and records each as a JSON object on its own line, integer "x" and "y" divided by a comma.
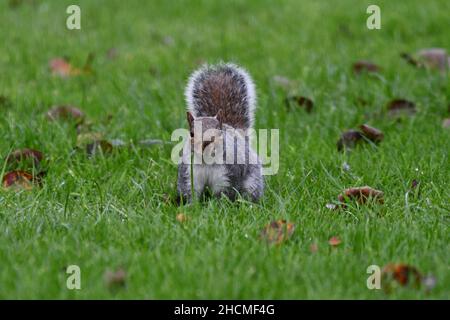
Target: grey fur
{"x": 225, "y": 90}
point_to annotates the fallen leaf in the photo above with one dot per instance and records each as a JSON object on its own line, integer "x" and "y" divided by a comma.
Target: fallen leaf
{"x": 399, "y": 274}
{"x": 349, "y": 139}
{"x": 25, "y": 154}
{"x": 182, "y": 218}
{"x": 434, "y": 58}
{"x": 361, "y": 195}
{"x": 334, "y": 241}
{"x": 277, "y": 231}
{"x": 99, "y": 146}
{"x": 373, "y": 134}
{"x": 18, "y": 180}
{"x": 65, "y": 112}
{"x": 62, "y": 68}
{"x": 301, "y": 101}
{"x": 365, "y": 66}
{"x": 89, "y": 137}
{"x": 115, "y": 279}
{"x": 399, "y": 107}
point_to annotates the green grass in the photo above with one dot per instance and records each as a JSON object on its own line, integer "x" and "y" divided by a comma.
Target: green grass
{"x": 109, "y": 212}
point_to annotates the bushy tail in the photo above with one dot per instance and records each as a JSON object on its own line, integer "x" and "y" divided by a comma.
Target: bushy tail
{"x": 224, "y": 87}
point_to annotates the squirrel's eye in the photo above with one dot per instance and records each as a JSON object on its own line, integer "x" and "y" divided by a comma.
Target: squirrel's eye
{"x": 192, "y": 134}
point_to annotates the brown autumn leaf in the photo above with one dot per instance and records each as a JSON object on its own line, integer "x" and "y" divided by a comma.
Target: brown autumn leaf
{"x": 373, "y": 134}
{"x": 399, "y": 107}
{"x": 349, "y": 139}
{"x": 182, "y": 218}
{"x": 65, "y": 112}
{"x": 277, "y": 231}
{"x": 361, "y": 195}
{"x": 99, "y": 147}
{"x": 399, "y": 274}
{"x": 434, "y": 58}
{"x": 334, "y": 241}
{"x": 62, "y": 68}
{"x": 365, "y": 66}
{"x": 115, "y": 279}
{"x": 300, "y": 101}
{"x": 25, "y": 154}
{"x": 88, "y": 137}
{"x": 18, "y": 180}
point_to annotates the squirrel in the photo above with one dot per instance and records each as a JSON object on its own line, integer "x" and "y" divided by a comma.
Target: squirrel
{"x": 221, "y": 99}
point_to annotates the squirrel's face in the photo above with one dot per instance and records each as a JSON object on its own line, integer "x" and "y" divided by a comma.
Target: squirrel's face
{"x": 204, "y": 130}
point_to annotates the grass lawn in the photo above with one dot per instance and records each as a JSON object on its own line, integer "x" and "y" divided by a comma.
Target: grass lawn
{"x": 111, "y": 212}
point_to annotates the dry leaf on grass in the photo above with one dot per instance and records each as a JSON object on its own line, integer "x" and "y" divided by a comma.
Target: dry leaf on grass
{"x": 65, "y": 112}
{"x": 430, "y": 58}
{"x": 99, "y": 147}
{"x": 365, "y": 66}
{"x": 434, "y": 58}
{"x": 20, "y": 180}
{"x": 115, "y": 279}
{"x": 399, "y": 274}
{"x": 277, "y": 231}
{"x": 349, "y": 139}
{"x": 89, "y": 137}
{"x": 300, "y": 101}
{"x": 334, "y": 241}
{"x": 371, "y": 133}
{"x": 62, "y": 68}
{"x": 401, "y": 107}
{"x": 361, "y": 195}
{"x": 25, "y": 154}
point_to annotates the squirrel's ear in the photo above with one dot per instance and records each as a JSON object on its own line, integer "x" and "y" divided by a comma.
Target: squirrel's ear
{"x": 190, "y": 119}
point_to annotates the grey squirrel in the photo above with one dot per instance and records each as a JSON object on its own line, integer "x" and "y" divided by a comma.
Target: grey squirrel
{"x": 221, "y": 99}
